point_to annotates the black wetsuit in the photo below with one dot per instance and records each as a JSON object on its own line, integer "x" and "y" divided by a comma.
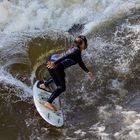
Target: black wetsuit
{"x": 64, "y": 60}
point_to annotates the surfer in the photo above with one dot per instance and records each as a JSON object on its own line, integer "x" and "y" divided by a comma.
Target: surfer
{"x": 56, "y": 65}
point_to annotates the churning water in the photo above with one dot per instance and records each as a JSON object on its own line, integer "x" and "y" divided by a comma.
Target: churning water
{"x": 105, "y": 109}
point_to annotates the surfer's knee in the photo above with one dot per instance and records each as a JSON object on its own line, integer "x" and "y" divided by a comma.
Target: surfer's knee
{"x": 61, "y": 88}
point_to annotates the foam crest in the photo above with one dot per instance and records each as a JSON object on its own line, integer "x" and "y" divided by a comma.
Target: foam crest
{"x": 120, "y": 9}
{"x": 38, "y": 15}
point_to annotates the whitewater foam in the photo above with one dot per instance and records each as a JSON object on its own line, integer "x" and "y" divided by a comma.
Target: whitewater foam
{"x": 5, "y": 77}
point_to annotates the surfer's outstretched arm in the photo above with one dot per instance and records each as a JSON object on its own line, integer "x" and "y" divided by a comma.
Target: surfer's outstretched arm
{"x": 83, "y": 66}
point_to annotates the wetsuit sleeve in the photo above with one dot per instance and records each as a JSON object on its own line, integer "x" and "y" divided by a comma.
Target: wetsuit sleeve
{"x": 83, "y": 66}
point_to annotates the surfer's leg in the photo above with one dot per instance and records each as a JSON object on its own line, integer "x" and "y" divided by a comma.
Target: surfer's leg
{"x": 44, "y": 85}
{"x": 58, "y": 76}
{"x": 47, "y": 82}
{"x": 56, "y": 93}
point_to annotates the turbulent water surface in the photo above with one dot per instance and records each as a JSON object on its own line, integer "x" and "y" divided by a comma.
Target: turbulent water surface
{"x": 104, "y": 109}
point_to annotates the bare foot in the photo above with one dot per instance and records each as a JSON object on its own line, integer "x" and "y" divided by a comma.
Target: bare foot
{"x": 50, "y": 106}
{"x": 42, "y": 86}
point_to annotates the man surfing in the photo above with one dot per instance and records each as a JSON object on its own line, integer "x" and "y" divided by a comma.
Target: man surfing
{"x": 56, "y": 65}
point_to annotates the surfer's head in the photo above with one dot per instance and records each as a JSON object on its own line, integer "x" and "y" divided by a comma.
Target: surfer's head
{"x": 81, "y": 41}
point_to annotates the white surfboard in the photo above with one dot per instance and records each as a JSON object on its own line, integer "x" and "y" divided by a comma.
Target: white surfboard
{"x": 54, "y": 118}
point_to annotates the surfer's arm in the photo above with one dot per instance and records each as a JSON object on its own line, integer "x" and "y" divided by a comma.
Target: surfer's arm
{"x": 83, "y": 66}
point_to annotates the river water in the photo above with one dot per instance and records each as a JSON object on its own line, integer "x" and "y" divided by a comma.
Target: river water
{"x": 104, "y": 109}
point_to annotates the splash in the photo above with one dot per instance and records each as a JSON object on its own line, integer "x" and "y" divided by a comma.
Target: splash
{"x": 6, "y": 78}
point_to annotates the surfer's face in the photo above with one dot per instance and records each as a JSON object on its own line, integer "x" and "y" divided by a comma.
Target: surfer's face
{"x": 81, "y": 43}
{"x": 83, "y": 46}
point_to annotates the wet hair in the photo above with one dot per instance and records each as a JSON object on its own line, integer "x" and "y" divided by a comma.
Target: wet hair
{"x": 81, "y": 38}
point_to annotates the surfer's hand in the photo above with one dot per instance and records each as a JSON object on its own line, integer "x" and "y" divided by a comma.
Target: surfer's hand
{"x": 50, "y": 64}
{"x": 90, "y": 76}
